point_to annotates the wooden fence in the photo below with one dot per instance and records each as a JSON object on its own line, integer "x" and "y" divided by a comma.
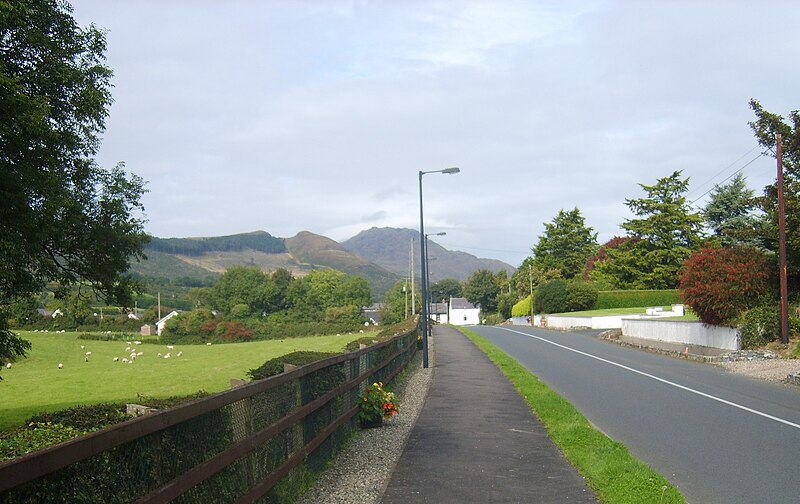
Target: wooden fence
{"x": 254, "y": 443}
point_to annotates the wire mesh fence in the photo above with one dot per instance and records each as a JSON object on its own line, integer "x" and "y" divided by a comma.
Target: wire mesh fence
{"x": 256, "y": 443}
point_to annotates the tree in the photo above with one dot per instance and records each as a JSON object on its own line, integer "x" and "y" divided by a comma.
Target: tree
{"x": 565, "y": 245}
{"x": 765, "y": 127}
{"x": 529, "y": 276}
{"x": 663, "y": 234}
{"x": 721, "y": 283}
{"x": 246, "y": 285}
{"x": 482, "y": 288}
{"x": 64, "y": 219}
{"x": 445, "y": 289}
{"x": 729, "y": 213}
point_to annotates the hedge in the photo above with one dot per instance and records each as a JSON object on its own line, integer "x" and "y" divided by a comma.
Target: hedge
{"x": 636, "y": 298}
{"x": 522, "y": 308}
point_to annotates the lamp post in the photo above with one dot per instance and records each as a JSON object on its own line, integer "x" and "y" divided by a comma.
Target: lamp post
{"x": 428, "y": 273}
{"x": 424, "y": 272}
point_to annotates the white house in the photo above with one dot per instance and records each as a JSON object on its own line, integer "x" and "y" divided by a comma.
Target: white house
{"x": 462, "y": 312}
{"x": 439, "y": 313}
{"x": 161, "y": 323}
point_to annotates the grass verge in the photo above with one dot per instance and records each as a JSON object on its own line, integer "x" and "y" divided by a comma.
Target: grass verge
{"x": 609, "y": 468}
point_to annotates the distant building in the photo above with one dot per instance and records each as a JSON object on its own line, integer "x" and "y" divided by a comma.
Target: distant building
{"x": 462, "y": 312}
{"x": 161, "y": 323}
{"x": 439, "y": 313}
{"x": 372, "y": 313}
{"x": 147, "y": 330}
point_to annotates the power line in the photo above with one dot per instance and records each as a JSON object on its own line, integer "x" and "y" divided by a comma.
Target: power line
{"x": 728, "y": 177}
{"x": 722, "y": 171}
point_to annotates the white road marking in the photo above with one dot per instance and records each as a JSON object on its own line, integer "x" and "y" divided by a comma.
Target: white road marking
{"x": 662, "y": 380}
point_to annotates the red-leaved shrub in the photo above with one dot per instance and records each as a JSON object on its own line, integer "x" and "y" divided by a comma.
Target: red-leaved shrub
{"x": 233, "y": 331}
{"x": 720, "y": 283}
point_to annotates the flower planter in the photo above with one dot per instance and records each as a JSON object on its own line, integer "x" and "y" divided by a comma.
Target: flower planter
{"x": 371, "y": 423}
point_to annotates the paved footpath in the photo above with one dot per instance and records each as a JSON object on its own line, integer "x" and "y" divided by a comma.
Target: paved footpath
{"x": 477, "y": 441}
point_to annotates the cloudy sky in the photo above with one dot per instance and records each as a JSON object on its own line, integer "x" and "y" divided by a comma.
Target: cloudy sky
{"x": 286, "y": 116}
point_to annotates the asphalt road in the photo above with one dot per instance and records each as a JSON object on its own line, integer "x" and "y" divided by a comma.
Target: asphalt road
{"x": 717, "y": 436}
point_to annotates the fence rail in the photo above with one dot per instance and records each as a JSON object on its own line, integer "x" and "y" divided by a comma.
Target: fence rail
{"x": 254, "y": 443}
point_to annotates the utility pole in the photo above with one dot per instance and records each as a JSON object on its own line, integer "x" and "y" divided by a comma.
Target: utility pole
{"x": 782, "y": 245}
{"x": 530, "y": 279}
{"x": 411, "y": 271}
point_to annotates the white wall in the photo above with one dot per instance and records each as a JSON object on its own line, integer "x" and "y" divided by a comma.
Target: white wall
{"x": 689, "y": 333}
{"x": 460, "y": 317}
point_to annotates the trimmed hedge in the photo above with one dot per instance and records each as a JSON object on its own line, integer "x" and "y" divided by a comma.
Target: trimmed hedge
{"x": 636, "y": 298}
{"x": 522, "y": 308}
{"x": 275, "y": 366}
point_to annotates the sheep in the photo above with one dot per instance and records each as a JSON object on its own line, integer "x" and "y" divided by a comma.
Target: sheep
{"x": 170, "y": 347}
{"x": 88, "y": 354}
{"x": 179, "y": 354}
{"x": 137, "y": 342}
{"x": 116, "y": 359}
{"x": 124, "y": 360}
{"x": 208, "y": 344}
{"x": 159, "y": 355}
{"x": 82, "y": 347}
{"x": 60, "y": 365}
{"x": 139, "y": 354}
{"x": 8, "y": 366}
{"x": 167, "y": 356}
{"x": 127, "y": 349}
{"x": 361, "y": 331}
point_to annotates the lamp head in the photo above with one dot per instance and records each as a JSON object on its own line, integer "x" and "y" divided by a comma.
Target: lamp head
{"x": 451, "y": 170}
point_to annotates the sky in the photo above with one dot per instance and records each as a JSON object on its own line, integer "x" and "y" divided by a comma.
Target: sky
{"x": 287, "y": 116}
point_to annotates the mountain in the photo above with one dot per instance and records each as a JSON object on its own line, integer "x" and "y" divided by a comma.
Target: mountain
{"x": 317, "y": 251}
{"x": 204, "y": 258}
{"x": 379, "y": 255}
{"x": 389, "y": 248}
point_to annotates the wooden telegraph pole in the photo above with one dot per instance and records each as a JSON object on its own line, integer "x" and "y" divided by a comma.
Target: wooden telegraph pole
{"x": 782, "y": 246}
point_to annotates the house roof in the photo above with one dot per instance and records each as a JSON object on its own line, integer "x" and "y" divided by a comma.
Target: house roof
{"x": 438, "y": 308}
{"x": 167, "y": 317}
{"x": 461, "y": 304}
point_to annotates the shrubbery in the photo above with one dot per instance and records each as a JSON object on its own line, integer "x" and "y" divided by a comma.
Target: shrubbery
{"x": 636, "y": 298}
{"x": 84, "y": 418}
{"x": 758, "y": 326}
{"x": 37, "y": 436}
{"x": 274, "y": 366}
{"x": 721, "y": 283}
{"x": 551, "y": 296}
{"x": 522, "y": 308}
{"x": 580, "y": 296}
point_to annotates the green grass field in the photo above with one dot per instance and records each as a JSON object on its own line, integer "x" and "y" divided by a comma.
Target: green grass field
{"x": 689, "y": 316}
{"x": 35, "y": 384}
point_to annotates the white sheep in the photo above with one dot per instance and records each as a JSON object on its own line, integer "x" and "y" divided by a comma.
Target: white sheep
{"x": 137, "y": 342}
{"x": 179, "y": 354}
{"x": 116, "y": 359}
{"x": 8, "y": 366}
{"x": 208, "y": 344}
{"x": 139, "y": 354}
{"x": 159, "y": 355}
{"x": 127, "y": 349}
{"x": 60, "y": 366}
{"x": 167, "y": 356}
{"x": 170, "y": 347}
{"x": 124, "y": 360}
{"x": 82, "y": 347}
{"x": 88, "y": 354}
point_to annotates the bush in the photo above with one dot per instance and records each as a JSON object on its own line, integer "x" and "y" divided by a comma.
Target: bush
{"x": 759, "y": 325}
{"x": 233, "y": 332}
{"x": 580, "y": 296}
{"x": 522, "y": 308}
{"x": 274, "y": 366}
{"x": 37, "y": 436}
{"x": 721, "y": 283}
{"x": 83, "y": 418}
{"x": 551, "y": 297}
{"x": 636, "y": 298}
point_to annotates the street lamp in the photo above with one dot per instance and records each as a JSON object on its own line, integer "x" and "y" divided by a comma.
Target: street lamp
{"x": 428, "y": 273}
{"x": 424, "y": 273}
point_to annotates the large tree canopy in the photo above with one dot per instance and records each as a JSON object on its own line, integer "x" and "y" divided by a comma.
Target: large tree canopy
{"x": 664, "y": 232}
{"x": 62, "y": 218}
{"x": 730, "y": 213}
{"x": 765, "y": 128}
{"x": 566, "y": 244}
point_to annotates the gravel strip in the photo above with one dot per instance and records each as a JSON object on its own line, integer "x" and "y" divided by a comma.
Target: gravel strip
{"x": 360, "y": 473}
{"x": 774, "y": 370}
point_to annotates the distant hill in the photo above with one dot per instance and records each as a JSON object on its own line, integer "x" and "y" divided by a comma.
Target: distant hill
{"x": 379, "y": 255}
{"x": 389, "y": 248}
{"x": 317, "y": 251}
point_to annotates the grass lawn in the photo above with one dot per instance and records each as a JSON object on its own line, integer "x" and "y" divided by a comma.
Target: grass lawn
{"x": 35, "y": 384}
{"x": 610, "y": 469}
{"x": 689, "y": 316}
